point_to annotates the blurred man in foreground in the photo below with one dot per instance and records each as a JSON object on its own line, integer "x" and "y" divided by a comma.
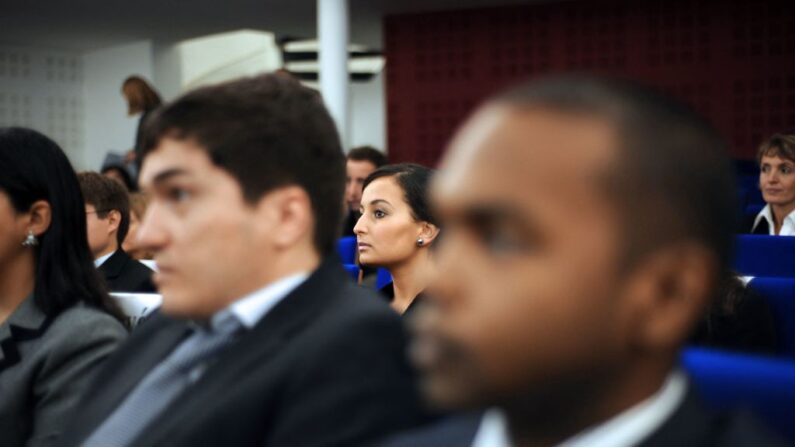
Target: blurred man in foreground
{"x": 587, "y": 222}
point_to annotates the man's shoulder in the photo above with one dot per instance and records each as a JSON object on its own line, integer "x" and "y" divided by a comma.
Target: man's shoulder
{"x": 453, "y": 431}
{"x": 695, "y": 424}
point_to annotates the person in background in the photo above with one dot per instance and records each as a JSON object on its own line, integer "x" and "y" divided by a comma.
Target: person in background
{"x": 396, "y": 231}
{"x": 138, "y": 204}
{"x": 57, "y": 325}
{"x": 141, "y": 99}
{"x": 107, "y": 210}
{"x": 119, "y": 173}
{"x": 360, "y": 162}
{"x": 776, "y": 158}
{"x": 576, "y": 261}
{"x": 262, "y": 339}
{"x": 738, "y": 319}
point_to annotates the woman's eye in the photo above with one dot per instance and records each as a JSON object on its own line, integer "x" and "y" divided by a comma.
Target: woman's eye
{"x": 786, "y": 169}
{"x": 378, "y": 214}
{"x": 765, "y": 168}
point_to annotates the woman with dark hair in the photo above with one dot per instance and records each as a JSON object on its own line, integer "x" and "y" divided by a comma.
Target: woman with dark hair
{"x": 141, "y": 99}
{"x": 396, "y": 230}
{"x": 57, "y": 324}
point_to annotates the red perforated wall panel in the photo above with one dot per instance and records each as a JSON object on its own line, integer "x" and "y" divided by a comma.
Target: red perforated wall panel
{"x": 732, "y": 60}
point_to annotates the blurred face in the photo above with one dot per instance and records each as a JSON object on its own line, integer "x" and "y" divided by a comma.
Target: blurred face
{"x": 777, "y": 181}
{"x": 526, "y": 301}
{"x": 12, "y": 232}
{"x": 355, "y": 173}
{"x": 206, "y": 240}
{"x": 101, "y": 232}
{"x": 129, "y": 245}
{"x": 386, "y": 232}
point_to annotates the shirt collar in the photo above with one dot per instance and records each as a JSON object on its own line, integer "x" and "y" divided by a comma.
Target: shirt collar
{"x": 251, "y": 308}
{"x": 787, "y": 227}
{"x": 625, "y": 429}
{"x": 101, "y": 260}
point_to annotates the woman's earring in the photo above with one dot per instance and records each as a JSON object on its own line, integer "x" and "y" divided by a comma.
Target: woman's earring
{"x": 30, "y": 240}
{"x": 420, "y": 242}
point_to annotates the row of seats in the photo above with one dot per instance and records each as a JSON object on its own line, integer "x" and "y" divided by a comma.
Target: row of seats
{"x": 770, "y": 256}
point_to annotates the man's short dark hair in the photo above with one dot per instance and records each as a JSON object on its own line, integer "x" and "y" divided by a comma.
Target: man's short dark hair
{"x": 368, "y": 153}
{"x": 106, "y": 195}
{"x": 267, "y": 132}
{"x": 671, "y": 178}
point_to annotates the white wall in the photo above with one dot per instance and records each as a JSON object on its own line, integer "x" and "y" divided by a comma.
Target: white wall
{"x": 42, "y": 89}
{"x": 368, "y": 115}
{"x": 108, "y": 128}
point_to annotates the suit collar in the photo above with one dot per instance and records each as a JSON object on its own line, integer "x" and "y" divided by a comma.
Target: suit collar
{"x": 292, "y": 314}
{"x": 27, "y": 322}
{"x": 114, "y": 265}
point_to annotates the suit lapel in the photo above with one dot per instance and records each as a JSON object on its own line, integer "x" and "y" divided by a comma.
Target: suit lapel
{"x": 119, "y": 377}
{"x": 113, "y": 266}
{"x": 256, "y": 347}
{"x": 27, "y": 322}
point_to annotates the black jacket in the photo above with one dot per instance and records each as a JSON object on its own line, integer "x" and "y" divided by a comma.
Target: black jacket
{"x": 690, "y": 425}
{"x": 325, "y": 367}
{"x": 124, "y": 274}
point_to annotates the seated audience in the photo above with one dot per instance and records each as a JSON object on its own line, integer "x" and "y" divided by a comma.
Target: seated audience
{"x": 776, "y": 158}
{"x": 108, "y": 218}
{"x": 587, "y": 223}
{"x": 119, "y": 173}
{"x": 262, "y": 339}
{"x": 737, "y": 319}
{"x": 396, "y": 231}
{"x": 138, "y": 204}
{"x": 360, "y": 162}
{"x": 57, "y": 325}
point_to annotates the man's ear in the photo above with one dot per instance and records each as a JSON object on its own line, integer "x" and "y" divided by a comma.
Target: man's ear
{"x": 428, "y": 232}
{"x": 667, "y": 294}
{"x": 289, "y": 213}
{"x": 39, "y": 217}
{"x": 114, "y": 220}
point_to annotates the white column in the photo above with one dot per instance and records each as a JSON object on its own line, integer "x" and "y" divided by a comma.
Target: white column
{"x": 332, "y": 27}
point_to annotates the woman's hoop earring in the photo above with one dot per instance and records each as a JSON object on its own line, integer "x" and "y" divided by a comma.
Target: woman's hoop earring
{"x": 30, "y": 240}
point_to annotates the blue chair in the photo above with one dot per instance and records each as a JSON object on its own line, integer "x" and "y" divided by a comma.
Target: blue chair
{"x": 753, "y": 209}
{"x": 346, "y": 247}
{"x": 764, "y": 386}
{"x": 780, "y": 295}
{"x": 745, "y": 167}
{"x": 352, "y": 270}
{"x": 382, "y": 278}
{"x": 758, "y": 255}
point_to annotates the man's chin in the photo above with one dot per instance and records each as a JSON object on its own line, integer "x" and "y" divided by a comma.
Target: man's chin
{"x": 443, "y": 393}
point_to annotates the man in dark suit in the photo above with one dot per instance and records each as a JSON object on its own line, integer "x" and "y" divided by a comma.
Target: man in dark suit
{"x": 107, "y": 221}
{"x": 359, "y": 163}
{"x": 587, "y": 223}
{"x": 261, "y": 339}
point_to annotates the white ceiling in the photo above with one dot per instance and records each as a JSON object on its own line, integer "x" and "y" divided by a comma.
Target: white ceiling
{"x": 85, "y": 25}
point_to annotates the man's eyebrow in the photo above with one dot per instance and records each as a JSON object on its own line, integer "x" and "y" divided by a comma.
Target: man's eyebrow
{"x": 168, "y": 174}
{"x": 491, "y": 214}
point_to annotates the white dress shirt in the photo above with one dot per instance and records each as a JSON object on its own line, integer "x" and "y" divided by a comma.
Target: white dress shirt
{"x": 101, "y": 260}
{"x": 623, "y": 430}
{"x": 251, "y": 308}
{"x": 787, "y": 226}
